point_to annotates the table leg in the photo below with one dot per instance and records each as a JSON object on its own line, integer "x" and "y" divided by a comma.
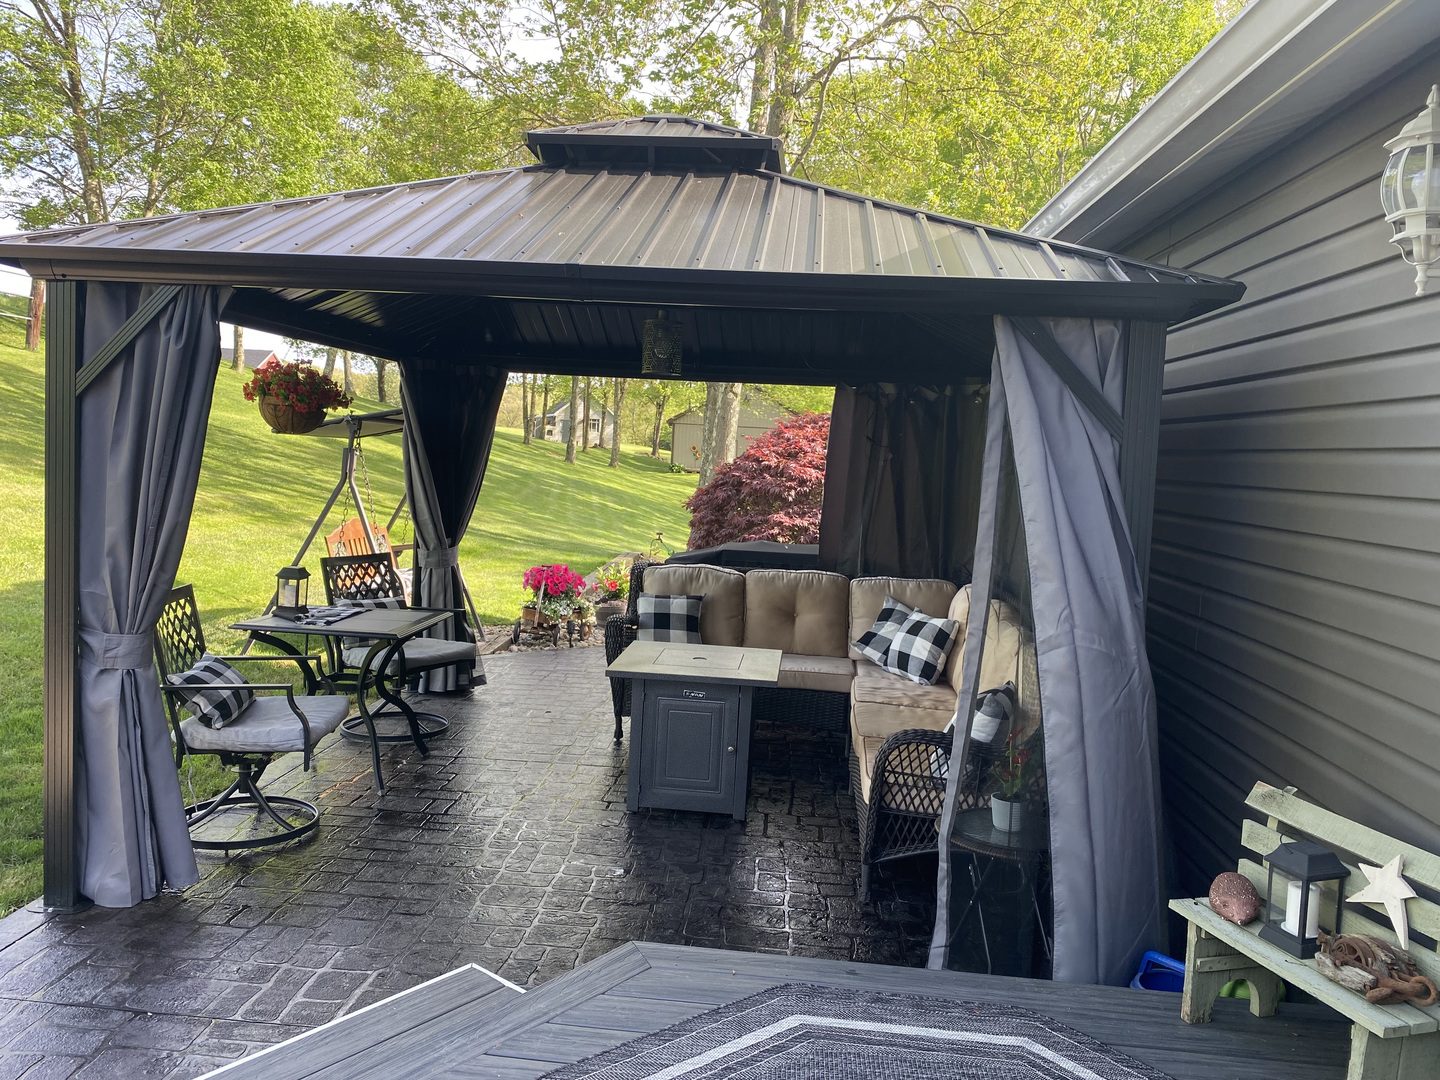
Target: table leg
{"x": 369, "y": 721}
{"x": 384, "y": 691}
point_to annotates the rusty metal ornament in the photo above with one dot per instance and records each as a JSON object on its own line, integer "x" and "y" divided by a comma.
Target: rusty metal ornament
{"x": 1384, "y": 973}
{"x": 1234, "y": 899}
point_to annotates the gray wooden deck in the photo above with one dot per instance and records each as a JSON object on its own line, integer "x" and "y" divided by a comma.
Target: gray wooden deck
{"x": 467, "y": 1025}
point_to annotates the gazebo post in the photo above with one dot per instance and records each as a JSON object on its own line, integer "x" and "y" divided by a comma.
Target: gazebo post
{"x": 1139, "y": 443}
{"x": 62, "y": 345}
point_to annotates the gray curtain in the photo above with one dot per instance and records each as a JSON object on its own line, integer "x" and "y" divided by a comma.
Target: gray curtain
{"x": 141, "y": 434}
{"x": 901, "y": 487}
{"x": 1096, "y": 697}
{"x": 450, "y": 413}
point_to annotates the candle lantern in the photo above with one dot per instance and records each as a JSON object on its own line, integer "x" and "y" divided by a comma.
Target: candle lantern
{"x": 292, "y": 590}
{"x": 1298, "y": 870}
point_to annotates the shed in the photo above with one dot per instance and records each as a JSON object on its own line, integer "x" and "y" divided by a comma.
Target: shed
{"x": 1294, "y": 614}
{"x": 978, "y": 371}
{"x": 757, "y": 416}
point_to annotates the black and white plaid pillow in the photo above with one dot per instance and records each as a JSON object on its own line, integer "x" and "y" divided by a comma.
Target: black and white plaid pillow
{"x": 220, "y": 693}
{"x": 920, "y": 647}
{"x": 372, "y": 604}
{"x": 875, "y": 643}
{"x": 669, "y": 618}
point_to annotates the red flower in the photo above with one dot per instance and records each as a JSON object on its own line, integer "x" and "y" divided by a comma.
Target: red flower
{"x": 298, "y": 385}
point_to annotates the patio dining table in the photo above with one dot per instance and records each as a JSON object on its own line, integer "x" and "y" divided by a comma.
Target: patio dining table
{"x": 386, "y": 629}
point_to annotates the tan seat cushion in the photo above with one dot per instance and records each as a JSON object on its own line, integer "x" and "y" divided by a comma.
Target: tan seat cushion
{"x": 1000, "y": 662}
{"x": 875, "y": 685}
{"x": 882, "y": 704}
{"x": 930, "y": 596}
{"x": 830, "y": 673}
{"x": 722, "y": 611}
{"x": 797, "y": 611}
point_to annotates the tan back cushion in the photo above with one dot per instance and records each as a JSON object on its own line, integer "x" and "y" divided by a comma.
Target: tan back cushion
{"x": 797, "y": 611}
{"x": 929, "y": 596}
{"x": 722, "y": 612}
{"x": 1000, "y": 663}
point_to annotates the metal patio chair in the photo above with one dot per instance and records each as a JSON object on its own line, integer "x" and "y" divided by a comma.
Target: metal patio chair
{"x": 269, "y": 726}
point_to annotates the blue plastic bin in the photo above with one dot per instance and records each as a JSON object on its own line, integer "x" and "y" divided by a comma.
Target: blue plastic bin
{"x": 1159, "y": 972}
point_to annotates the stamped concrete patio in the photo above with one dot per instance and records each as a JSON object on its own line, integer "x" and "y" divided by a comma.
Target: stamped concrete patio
{"x": 509, "y": 847}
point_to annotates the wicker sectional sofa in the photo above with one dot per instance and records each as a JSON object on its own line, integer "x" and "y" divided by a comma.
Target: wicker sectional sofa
{"x": 899, "y": 752}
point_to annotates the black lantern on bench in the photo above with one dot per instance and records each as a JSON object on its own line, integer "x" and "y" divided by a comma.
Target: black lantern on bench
{"x": 1294, "y": 894}
{"x": 292, "y": 590}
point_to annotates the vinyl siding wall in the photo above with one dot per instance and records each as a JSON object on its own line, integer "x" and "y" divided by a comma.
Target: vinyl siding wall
{"x": 1295, "y": 586}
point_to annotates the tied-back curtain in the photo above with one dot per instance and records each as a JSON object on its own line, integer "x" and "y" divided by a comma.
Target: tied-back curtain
{"x": 450, "y": 412}
{"x": 895, "y": 501}
{"x": 141, "y": 436}
{"x": 1096, "y": 696}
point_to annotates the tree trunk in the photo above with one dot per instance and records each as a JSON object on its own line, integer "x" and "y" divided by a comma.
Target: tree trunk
{"x": 585, "y": 429}
{"x": 237, "y": 348}
{"x": 573, "y": 420}
{"x": 526, "y": 402}
{"x": 727, "y": 424}
{"x": 659, "y": 421}
{"x": 330, "y": 363}
{"x": 707, "y": 432}
{"x": 381, "y": 364}
{"x": 604, "y": 408}
{"x": 345, "y": 367}
{"x": 37, "y": 314}
{"x": 544, "y": 403}
{"x": 615, "y": 435}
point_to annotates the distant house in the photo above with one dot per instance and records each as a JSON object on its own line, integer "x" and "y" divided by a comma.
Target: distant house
{"x": 253, "y": 357}
{"x": 757, "y": 416}
{"x": 554, "y": 426}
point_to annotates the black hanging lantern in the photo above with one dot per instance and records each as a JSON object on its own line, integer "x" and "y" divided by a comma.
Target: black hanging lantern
{"x": 1293, "y": 895}
{"x": 292, "y": 590}
{"x": 661, "y": 346}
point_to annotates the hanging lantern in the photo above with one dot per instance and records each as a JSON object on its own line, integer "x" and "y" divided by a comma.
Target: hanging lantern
{"x": 1294, "y": 895}
{"x": 292, "y": 590}
{"x": 1410, "y": 190}
{"x": 661, "y": 346}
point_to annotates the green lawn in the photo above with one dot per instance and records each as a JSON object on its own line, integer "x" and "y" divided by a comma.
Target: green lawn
{"x": 258, "y": 495}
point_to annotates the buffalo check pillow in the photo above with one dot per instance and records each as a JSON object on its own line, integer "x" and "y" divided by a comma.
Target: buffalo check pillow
{"x": 669, "y": 618}
{"x": 920, "y": 646}
{"x": 875, "y": 643}
{"x": 214, "y": 692}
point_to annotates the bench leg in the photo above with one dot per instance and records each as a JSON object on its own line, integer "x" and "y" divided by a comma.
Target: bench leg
{"x": 1209, "y": 965}
{"x": 1374, "y": 1058}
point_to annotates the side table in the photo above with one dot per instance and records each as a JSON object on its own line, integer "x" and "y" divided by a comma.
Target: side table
{"x": 690, "y": 723}
{"x": 1027, "y": 850}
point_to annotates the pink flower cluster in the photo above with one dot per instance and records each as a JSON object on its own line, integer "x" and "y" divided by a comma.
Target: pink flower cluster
{"x": 558, "y": 581}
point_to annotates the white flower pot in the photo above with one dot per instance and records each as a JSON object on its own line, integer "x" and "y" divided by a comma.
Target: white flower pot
{"x": 1007, "y": 816}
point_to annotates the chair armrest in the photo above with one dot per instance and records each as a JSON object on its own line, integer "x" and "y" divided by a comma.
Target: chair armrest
{"x": 910, "y": 772}
{"x": 619, "y": 633}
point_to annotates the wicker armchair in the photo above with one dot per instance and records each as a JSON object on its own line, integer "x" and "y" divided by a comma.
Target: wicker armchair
{"x": 907, "y": 794}
{"x": 620, "y": 631}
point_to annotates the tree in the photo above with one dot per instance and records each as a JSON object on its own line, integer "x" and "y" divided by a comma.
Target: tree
{"x": 382, "y": 368}
{"x": 573, "y": 420}
{"x": 619, "y": 407}
{"x": 526, "y": 408}
{"x": 330, "y": 357}
{"x": 585, "y": 420}
{"x": 237, "y": 348}
{"x": 37, "y": 314}
{"x": 773, "y": 491}
{"x": 346, "y": 368}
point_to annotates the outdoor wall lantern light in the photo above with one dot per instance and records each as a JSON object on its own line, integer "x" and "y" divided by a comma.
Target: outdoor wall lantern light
{"x": 292, "y": 590}
{"x": 661, "y": 346}
{"x": 1410, "y": 190}
{"x": 1292, "y": 903}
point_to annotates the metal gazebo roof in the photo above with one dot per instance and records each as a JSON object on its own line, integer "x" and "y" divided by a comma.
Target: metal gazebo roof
{"x": 649, "y": 211}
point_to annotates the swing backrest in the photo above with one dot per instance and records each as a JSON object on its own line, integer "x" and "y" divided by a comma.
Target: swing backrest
{"x": 350, "y": 539}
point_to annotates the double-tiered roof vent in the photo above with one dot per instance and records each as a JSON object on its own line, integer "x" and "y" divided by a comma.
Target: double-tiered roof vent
{"x": 657, "y": 142}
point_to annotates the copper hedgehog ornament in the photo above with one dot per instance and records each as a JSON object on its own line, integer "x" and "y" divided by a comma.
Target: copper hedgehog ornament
{"x": 1234, "y": 899}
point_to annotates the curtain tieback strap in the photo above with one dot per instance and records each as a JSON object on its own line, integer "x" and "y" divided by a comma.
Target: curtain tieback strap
{"x": 438, "y": 558}
{"x": 117, "y": 652}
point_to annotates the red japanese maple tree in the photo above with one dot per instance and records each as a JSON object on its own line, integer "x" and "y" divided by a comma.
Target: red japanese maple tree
{"x": 770, "y": 492}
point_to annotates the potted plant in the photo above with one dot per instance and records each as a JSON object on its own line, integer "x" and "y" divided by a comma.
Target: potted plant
{"x": 612, "y": 586}
{"x": 293, "y": 397}
{"x": 554, "y": 590}
{"x": 1016, "y": 774}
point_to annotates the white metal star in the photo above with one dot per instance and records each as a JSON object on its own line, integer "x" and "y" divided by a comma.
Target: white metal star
{"x": 1387, "y": 887}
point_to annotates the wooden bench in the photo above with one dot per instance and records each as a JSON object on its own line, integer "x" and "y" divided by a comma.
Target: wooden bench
{"x": 1387, "y": 1042}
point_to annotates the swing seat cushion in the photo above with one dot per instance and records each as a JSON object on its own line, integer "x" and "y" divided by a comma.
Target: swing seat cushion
{"x": 421, "y": 654}
{"x": 268, "y": 726}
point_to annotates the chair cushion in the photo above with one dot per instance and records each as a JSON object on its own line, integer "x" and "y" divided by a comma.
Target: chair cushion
{"x": 219, "y": 693}
{"x": 871, "y": 723}
{"x": 1000, "y": 662}
{"x": 669, "y": 618}
{"x": 929, "y": 596}
{"x": 421, "y": 654}
{"x": 832, "y": 674}
{"x": 797, "y": 611}
{"x": 875, "y": 686}
{"x": 269, "y": 726}
{"x": 722, "y": 615}
{"x": 920, "y": 648}
{"x": 874, "y": 644}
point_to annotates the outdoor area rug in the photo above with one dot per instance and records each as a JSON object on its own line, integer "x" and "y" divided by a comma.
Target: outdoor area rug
{"x": 798, "y": 1031}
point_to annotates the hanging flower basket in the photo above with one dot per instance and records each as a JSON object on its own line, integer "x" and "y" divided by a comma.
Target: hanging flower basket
{"x": 293, "y": 397}
{"x": 285, "y": 419}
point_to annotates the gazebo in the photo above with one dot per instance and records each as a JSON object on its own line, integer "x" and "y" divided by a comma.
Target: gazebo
{"x": 996, "y": 420}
